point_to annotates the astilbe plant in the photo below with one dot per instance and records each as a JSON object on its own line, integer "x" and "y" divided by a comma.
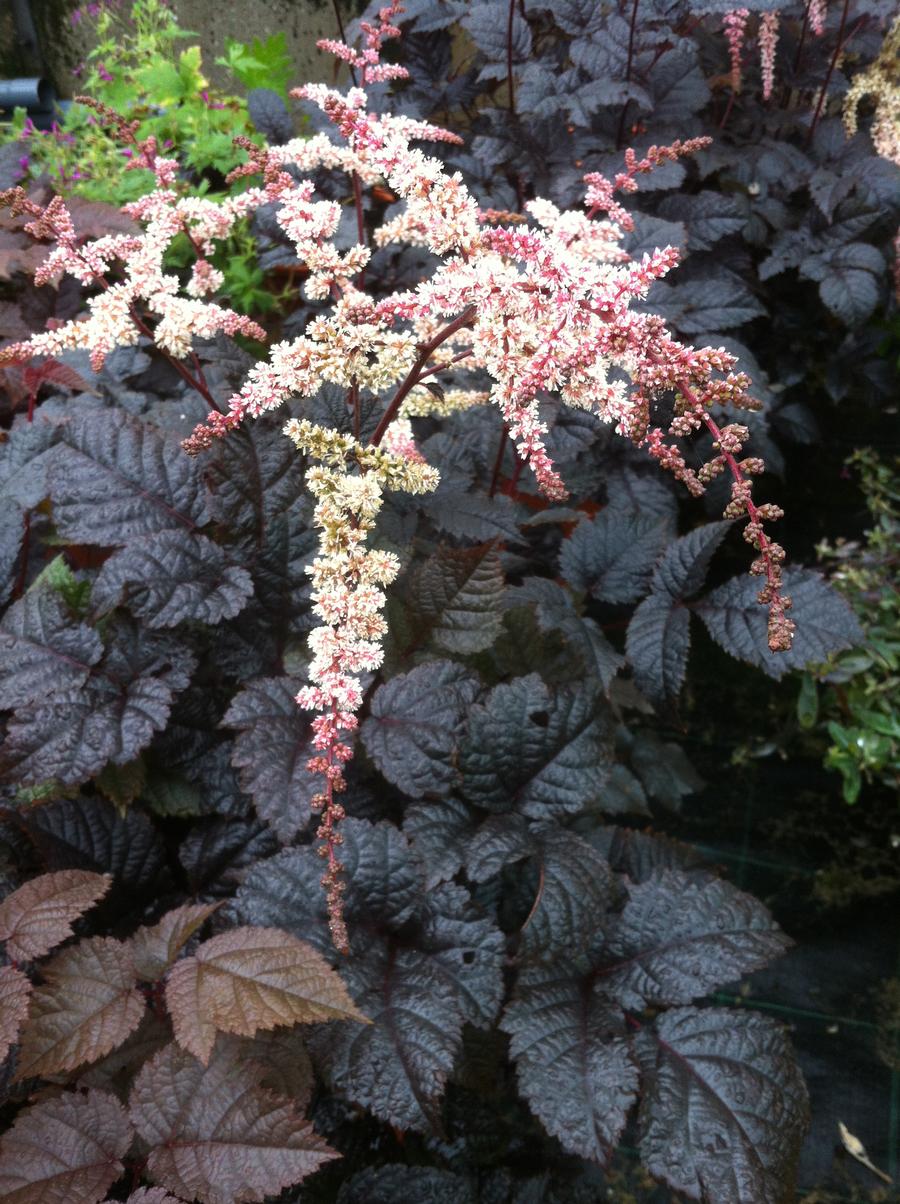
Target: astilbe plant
{"x": 521, "y": 973}
{"x": 547, "y": 308}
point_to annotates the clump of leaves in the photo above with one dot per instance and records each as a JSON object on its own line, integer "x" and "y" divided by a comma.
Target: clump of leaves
{"x": 487, "y": 893}
{"x": 211, "y": 1115}
{"x": 853, "y": 694}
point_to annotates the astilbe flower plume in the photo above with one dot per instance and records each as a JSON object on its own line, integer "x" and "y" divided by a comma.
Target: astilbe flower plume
{"x": 768, "y": 40}
{"x": 735, "y": 24}
{"x": 538, "y": 303}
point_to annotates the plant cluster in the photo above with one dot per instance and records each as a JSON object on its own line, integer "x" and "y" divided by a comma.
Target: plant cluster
{"x": 435, "y": 562}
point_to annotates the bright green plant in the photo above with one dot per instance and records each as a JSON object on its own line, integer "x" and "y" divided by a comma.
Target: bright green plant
{"x": 138, "y": 69}
{"x": 260, "y": 64}
{"x": 853, "y": 695}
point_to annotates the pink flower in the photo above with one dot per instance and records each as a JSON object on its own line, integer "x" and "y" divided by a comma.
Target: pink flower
{"x": 768, "y": 40}
{"x": 735, "y": 26}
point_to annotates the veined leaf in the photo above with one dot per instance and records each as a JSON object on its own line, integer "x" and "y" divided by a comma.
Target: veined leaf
{"x": 825, "y": 622}
{"x": 417, "y": 993}
{"x": 15, "y": 988}
{"x": 271, "y": 752}
{"x": 66, "y": 1150}
{"x": 250, "y": 979}
{"x": 533, "y": 750}
{"x": 43, "y": 650}
{"x": 724, "y": 1106}
{"x": 114, "y": 478}
{"x": 215, "y": 1135}
{"x": 155, "y": 948}
{"x": 72, "y": 735}
{"x": 679, "y": 938}
{"x": 574, "y": 1067}
{"x": 87, "y": 1005}
{"x": 575, "y": 890}
{"x": 173, "y": 577}
{"x": 613, "y": 555}
{"x": 456, "y": 599}
{"x": 40, "y": 914}
{"x": 414, "y": 724}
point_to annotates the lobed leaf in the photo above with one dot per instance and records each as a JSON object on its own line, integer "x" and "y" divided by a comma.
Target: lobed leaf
{"x": 656, "y": 644}
{"x": 90, "y": 834}
{"x": 573, "y": 1066}
{"x": 39, "y": 915}
{"x": 679, "y": 938}
{"x": 215, "y": 1135}
{"x": 724, "y": 1107}
{"x": 127, "y": 698}
{"x": 43, "y": 650}
{"x": 538, "y": 751}
{"x": 271, "y": 751}
{"x": 417, "y": 991}
{"x": 173, "y": 577}
{"x": 439, "y": 831}
{"x": 825, "y": 621}
{"x": 250, "y": 979}
{"x": 456, "y": 599}
{"x": 414, "y": 725}
{"x": 25, "y": 458}
{"x": 86, "y": 1005}
{"x": 576, "y": 888}
{"x": 613, "y": 555}
{"x": 65, "y": 1150}
{"x": 154, "y": 949}
{"x": 114, "y": 478}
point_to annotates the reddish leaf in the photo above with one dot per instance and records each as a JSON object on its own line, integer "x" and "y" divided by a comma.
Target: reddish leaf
{"x": 250, "y": 979}
{"x": 88, "y": 1005}
{"x": 40, "y": 914}
{"x": 66, "y": 1150}
{"x": 14, "y": 991}
{"x": 155, "y": 949}
{"x": 215, "y": 1135}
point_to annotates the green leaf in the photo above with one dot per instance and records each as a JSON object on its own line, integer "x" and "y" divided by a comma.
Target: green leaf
{"x": 808, "y": 702}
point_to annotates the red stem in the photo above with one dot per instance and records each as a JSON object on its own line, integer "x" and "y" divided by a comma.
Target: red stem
{"x": 415, "y": 373}
{"x": 631, "y": 29}
{"x": 839, "y": 46}
{"x": 498, "y": 462}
